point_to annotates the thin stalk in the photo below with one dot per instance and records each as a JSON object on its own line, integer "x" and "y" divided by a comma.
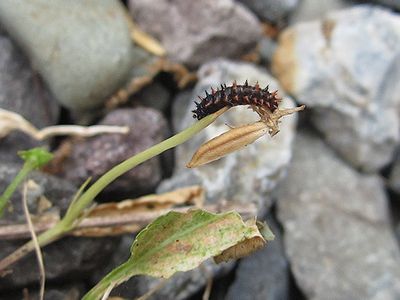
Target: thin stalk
{"x": 87, "y": 197}
{"x": 114, "y": 278}
{"x": 73, "y": 215}
{"x": 39, "y": 256}
{"x": 26, "y": 169}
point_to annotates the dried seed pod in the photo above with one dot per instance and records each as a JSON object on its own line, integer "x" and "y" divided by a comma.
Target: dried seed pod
{"x": 227, "y": 142}
{"x": 272, "y": 120}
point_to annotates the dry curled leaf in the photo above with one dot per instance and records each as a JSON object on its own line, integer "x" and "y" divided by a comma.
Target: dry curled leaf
{"x": 249, "y": 245}
{"x": 227, "y": 142}
{"x": 131, "y": 215}
{"x": 182, "y": 196}
{"x": 240, "y": 250}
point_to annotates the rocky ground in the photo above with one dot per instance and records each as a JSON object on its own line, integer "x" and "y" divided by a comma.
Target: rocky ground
{"x": 328, "y": 183}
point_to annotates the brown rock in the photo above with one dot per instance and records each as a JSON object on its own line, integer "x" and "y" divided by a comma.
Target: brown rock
{"x": 94, "y": 156}
{"x": 194, "y": 32}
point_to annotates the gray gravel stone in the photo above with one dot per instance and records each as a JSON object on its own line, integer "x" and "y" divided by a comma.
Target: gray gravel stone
{"x": 22, "y": 91}
{"x": 337, "y": 234}
{"x": 94, "y": 156}
{"x": 195, "y": 31}
{"x": 308, "y": 10}
{"x": 395, "y": 4}
{"x": 267, "y": 47}
{"x": 67, "y": 258}
{"x": 69, "y": 291}
{"x": 59, "y": 192}
{"x": 264, "y": 274}
{"x": 83, "y": 49}
{"x": 398, "y": 233}
{"x": 346, "y": 69}
{"x": 394, "y": 177}
{"x": 180, "y": 287}
{"x": 247, "y": 175}
{"x": 155, "y": 96}
{"x": 273, "y": 11}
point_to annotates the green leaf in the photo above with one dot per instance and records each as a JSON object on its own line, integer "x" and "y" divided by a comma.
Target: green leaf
{"x": 36, "y": 157}
{"x": 179, "y": 242}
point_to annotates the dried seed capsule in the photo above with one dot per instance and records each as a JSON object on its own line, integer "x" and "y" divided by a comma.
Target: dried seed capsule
{"x": 227, "y": 142}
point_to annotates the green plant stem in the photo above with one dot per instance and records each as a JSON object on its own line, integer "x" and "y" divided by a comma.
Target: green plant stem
{"x": 114, "y": 278}
{"x": 26, "y": 169}
{"x": 72, "y": 217}
{"x": 87, "y": 197}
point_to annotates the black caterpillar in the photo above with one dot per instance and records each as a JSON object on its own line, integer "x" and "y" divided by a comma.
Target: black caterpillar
{"x": 236, "y": 95}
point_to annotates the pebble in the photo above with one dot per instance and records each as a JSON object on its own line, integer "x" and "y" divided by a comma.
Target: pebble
{"x": 264, "y": 274}
{"x": 22, "y": 91}
{"x": 308, "y": 10}
{"x": 94, "y": 156}
{"x": 82, "y": 49}
{"x": 272, "y": 11}
{"x": 337, "y": 232}
{"x": 194, "y": 32}
{"x": 345, "y": 68}
{"x": 394, "y": 177}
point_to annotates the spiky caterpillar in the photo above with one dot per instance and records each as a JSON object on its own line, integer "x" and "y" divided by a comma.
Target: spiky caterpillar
{"x": 236, "y": 95}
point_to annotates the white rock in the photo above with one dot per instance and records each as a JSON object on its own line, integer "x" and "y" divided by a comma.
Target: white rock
{"x": 337, "y": 233}
{"x": 347, "y": 68}
{"x": 82, "y": 49}
{"x": 315, "y": 9}
{"x": 273, "y": 11}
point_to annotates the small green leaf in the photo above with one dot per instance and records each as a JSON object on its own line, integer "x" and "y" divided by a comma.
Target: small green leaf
{"x": 36, "y": 157}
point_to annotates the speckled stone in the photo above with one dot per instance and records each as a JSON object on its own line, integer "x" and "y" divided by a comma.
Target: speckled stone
{"x": 94, "y": 156}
